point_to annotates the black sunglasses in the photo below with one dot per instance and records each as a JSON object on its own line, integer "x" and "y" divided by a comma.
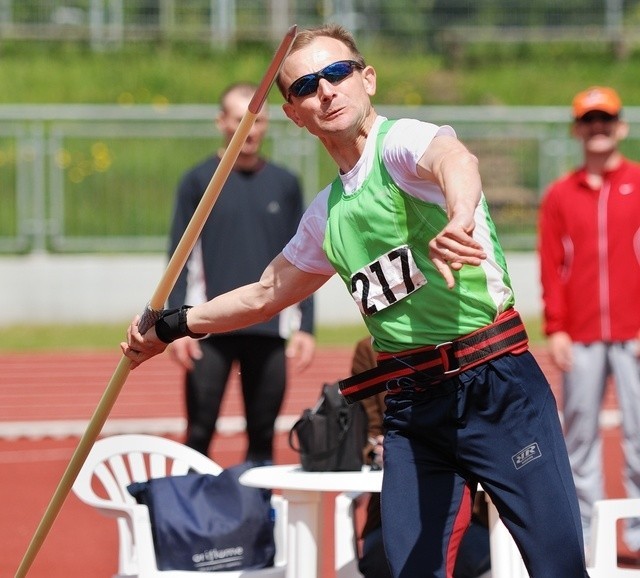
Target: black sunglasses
{"x": 334, "y": 73}
{"x": 597, "y": 117}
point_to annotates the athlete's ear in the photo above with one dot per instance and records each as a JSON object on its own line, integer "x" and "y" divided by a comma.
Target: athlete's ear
{"x": 291, "y": 113}
{"x": 370, "y": 80}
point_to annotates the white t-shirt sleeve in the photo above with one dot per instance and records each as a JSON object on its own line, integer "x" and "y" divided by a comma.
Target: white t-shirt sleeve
{"x": 304, "y": 250}
{"x": 404, "y": 146}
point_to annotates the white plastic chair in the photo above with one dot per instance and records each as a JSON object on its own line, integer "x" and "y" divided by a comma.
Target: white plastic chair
{"x": 603, "y": 546}
{"x": 117, "y": 461}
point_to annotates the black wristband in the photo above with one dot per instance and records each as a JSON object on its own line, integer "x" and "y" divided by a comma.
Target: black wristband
{"x": 172, "y": 325}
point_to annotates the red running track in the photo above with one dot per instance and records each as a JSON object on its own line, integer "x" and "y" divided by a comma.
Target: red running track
{"x": 45, "y": 402}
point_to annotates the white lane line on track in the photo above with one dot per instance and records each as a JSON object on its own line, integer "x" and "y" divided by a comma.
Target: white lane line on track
{"x": 32, "y": 456}
{"x": 34, "y": 430}
{"x": 227, "y": 425}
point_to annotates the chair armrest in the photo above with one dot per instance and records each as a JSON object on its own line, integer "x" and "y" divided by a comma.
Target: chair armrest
{"x": 603, "y": 546}
{"x": 133, "y": 513}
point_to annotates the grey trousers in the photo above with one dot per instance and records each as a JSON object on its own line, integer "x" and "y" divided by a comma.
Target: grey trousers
{"x": 583, "y": 391}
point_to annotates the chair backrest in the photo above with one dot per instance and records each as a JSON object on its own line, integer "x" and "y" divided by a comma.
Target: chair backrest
{"x": 117, "y": 461}
{"x": 122, "y": 459}
{"x": 603, "y": 547}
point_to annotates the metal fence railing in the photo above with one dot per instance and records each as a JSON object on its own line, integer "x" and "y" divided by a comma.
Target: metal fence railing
{"x": 103, "y": 178}
{"x": 423, "y": 24}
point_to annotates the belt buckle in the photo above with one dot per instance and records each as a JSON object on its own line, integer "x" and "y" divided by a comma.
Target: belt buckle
{"x": 398, "y": 384}
{"x": 448, "y": 357}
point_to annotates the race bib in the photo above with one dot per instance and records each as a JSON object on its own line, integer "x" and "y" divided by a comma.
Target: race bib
{"x": 387, "y": 280}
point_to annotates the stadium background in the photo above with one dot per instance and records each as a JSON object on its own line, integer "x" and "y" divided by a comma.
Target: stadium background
{"x": 103, "y": 103}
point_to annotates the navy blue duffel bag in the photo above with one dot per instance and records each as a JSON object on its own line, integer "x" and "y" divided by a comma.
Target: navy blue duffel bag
{"x": 207, "y": 523}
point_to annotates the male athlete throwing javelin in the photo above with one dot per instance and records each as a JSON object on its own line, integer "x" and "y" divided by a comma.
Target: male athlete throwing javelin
{"x": 406, "y": 226}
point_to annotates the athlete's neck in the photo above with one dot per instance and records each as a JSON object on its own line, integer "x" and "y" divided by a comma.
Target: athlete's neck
{"x": 347, "y": 147}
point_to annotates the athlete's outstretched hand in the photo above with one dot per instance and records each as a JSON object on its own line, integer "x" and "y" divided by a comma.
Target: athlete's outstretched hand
{"x": 454, "y": 247}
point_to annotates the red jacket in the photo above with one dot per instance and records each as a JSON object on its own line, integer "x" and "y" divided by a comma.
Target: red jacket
{"x": 589, "y": 248}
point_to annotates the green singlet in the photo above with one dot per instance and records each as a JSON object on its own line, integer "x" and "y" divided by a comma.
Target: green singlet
{"x": 377, "y": 239}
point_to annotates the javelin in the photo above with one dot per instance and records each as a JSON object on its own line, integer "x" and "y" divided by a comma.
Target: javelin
{"x": 157, "y": 301}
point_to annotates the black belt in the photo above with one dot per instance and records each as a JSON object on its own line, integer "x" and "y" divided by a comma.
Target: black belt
{"x": 433, "y": 364}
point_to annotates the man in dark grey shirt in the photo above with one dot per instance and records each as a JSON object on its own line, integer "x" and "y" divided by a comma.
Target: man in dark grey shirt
{"x": 256, "y": 213}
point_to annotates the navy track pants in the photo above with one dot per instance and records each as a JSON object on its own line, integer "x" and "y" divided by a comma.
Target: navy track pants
{"x": 496, "y": 424}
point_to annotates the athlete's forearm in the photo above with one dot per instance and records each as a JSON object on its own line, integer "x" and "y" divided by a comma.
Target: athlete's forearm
{"x": 281, "y": 285}
{"x": 461, "y": 184}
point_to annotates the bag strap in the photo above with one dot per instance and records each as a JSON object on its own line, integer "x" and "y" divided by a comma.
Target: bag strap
{"x": 291, "y": 431}
{"x": 326, "y": 453}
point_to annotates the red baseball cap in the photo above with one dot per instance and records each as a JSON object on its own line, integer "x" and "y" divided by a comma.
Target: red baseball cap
{"x": 600, "y": 98}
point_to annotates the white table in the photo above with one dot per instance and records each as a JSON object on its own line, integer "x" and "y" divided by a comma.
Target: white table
{"x": 304, "y": 493}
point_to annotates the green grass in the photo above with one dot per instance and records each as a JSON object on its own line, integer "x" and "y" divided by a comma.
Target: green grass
{"x": 140, "y": 75}
{"x": 104, "y": 337}
{"x": 485, "y": 74}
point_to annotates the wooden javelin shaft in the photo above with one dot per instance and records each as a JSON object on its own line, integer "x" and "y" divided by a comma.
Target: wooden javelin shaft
{"x": 194, "y": 228}
{"x": 210, "y": 196}
{"x": 156, "y": 303}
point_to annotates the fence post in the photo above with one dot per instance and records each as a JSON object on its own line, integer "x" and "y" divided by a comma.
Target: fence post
{"x": 223, "y": 23}
{"x": 6, "y": 15}
{"x": 96, "y": 24}
{"x": 167, "y": 19}
{"x": 279, "y": 18}
{"x": 116, "y": 23}
{"x": 614, "y": 27}
{"x": 31, "y": 189}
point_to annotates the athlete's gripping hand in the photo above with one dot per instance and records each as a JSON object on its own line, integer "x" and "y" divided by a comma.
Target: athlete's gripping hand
{"x": 455, "y": 246}
{"x": 138, "y": 347}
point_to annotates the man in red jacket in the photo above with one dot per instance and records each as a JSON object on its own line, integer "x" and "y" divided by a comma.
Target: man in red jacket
{"x": 589, "y": 246}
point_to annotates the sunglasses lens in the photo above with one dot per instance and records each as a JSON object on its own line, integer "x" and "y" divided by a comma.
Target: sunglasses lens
{"x": 334, "y": 73}
{"x": 337, "y": 71}
{"x": 305, "y": 85}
